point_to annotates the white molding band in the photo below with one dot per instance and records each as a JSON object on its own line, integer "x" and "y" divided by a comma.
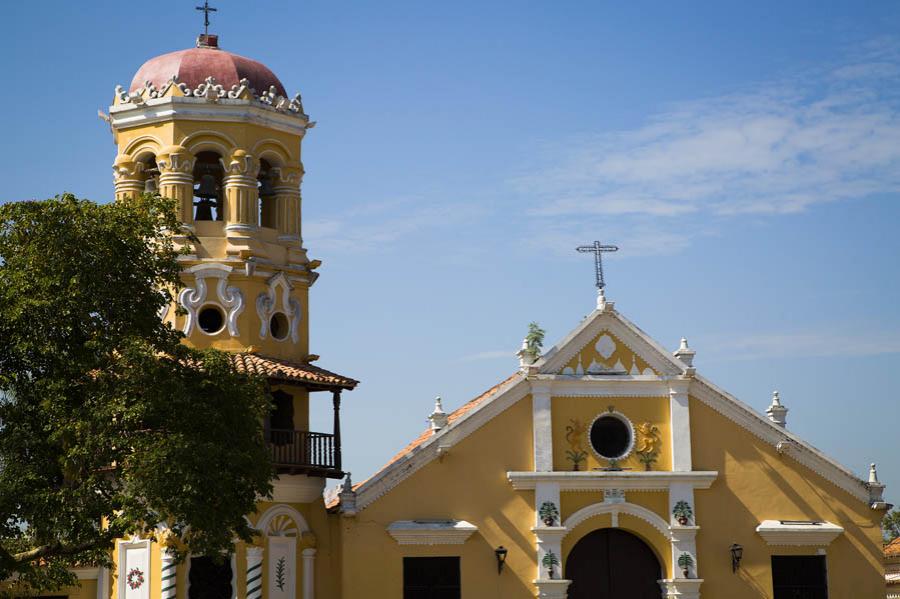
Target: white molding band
{"x": 599, "y": 509}
{"x": 542, "y": 423}
{"x": 431, "y": 532}
{"x": 597, "y": 480}
{"x": 552, "y": 589}
{"x": 817, "y": 534}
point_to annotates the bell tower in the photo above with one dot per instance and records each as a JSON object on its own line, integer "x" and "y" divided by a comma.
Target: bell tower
{"x": 217, "y": 133}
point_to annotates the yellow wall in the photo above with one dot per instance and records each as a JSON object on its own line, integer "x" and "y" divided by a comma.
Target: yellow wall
{"x": 755, "y": 484}
{"x": 654, "y": 410}
{"x": 372, "y": 559}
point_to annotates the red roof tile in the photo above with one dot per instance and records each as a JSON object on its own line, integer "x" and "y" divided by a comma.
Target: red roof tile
{"x": 290, "y": 372}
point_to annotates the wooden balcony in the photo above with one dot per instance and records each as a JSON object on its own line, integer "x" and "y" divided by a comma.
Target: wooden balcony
{"x": 305, "y": 452}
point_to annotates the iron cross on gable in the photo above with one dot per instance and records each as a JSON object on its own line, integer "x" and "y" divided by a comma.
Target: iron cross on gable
{"x": 206, "y": 8}
{"x": 597, "y": 249}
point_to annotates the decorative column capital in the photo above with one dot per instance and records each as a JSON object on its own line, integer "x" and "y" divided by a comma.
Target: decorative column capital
{"x": 242, "y": 164}
{"x": 175, "y": 159}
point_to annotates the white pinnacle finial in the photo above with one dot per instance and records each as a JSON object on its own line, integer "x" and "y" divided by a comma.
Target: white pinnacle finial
{"x": 777, "y": 413}
{"x": 685, "y": 353}
{"x": 873, "y": 475}
{"x": 438, "y": 417}
{"x": 348, "y": 484}
{"x": 601, "y": 299}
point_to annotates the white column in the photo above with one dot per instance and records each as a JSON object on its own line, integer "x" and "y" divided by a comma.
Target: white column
{"x": 309, "y": 569}
{"x": 254, "y": 572}
{"x": 684, "y": 536}
{"x": 542, "y": 426}
{"x": 680, "y": 417}
{"x": 167, "y": 574}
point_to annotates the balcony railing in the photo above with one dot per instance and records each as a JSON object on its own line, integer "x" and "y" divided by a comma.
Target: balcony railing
{"x": 304, "y": 451}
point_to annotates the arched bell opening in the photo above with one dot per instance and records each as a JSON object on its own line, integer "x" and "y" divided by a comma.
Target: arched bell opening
{"x": 208, "y": 188}
{"x": 267, "y": 195}
{"x": 149, "y": 172}
{"x": 609, "y": 563}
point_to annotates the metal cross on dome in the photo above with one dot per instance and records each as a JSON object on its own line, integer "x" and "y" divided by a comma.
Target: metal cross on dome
{"x": 206, "y": 8}
{"x": 597, "y": 249}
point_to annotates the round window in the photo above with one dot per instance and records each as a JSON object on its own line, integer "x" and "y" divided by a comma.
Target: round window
{"x": 211, "y": 320}
{"x": 611, "y": 436}
{"x": 278, "y": 324}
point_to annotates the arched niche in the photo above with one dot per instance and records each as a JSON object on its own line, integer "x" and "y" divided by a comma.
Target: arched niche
{"x": 266, "y": 181}
{"x": 209, "y": 189}
{"x": 282, "y": 521}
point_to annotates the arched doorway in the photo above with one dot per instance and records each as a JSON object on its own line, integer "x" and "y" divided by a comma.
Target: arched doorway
{"x": 611, "y": 563}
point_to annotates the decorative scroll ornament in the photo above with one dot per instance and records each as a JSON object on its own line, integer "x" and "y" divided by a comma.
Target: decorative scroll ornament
{"x": 229, "y": 298}
{"x": 212, "y": 91}
{"x": 575, "y": 431}
{"x": 649, "y": 443}
{"x": 267, "y": 305}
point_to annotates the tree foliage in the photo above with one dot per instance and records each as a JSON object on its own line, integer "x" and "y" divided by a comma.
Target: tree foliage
{"x": 109, "y": 425}
{"x": 891, "y": 525}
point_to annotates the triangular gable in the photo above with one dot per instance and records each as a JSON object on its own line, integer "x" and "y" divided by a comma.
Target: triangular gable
{"x": 606, "y": 339}
{"x": 603, "y": 321}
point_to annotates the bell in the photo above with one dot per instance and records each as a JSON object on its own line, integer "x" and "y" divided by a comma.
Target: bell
{"x": 208, "y": 188}
{"x": 265, "y": 186}
{"x": 151, "y": 186}
{"x": 204, "y": 210}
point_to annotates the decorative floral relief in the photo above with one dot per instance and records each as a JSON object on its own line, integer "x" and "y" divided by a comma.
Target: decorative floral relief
{"x": 607, "y": 355}
{"x": 576, "y": 453}
{"x": 134, "y": 579}
{"x": 282, "y": 526}
{"x": 648, "y": 445}
{"x": 212, "y": 91}
{"x": 230, "y": 298}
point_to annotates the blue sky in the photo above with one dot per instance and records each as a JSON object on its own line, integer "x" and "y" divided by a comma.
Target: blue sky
{"x": 743, "y": 155}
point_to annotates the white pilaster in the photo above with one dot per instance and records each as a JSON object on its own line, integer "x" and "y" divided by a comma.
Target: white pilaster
{"x": 309, "y": 569}
{"x": 542, "y": 425}
{"x": 680, "y": 417}
{"x": 254, "y": 572}
{"x": 103, "y": 590}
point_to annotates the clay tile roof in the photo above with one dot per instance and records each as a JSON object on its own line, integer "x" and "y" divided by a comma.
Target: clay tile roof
{"x": 194, "y": 65}
{"x": 892, "y": 549}
{"x": 290, "y": 372}
{"x": 424, "y": 436}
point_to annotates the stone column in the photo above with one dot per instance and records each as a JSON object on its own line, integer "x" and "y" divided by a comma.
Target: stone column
{"x": 167, "y": 575}
{"x": 254, "y": 572}
{"x": 241, "y": 194}
{"x": 309, "y": 568}
{"x": 128, "y": 176}
{"x": 176, "y": 180}
{"x": 286, "y": 183}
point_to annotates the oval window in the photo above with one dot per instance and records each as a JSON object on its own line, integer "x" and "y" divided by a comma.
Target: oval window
{"x": 278, "y": 324}
{"x": 211, "y": 320}
{"x": 611, "y": 436}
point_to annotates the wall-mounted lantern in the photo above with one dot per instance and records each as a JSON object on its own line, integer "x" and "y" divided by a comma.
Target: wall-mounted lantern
{"x": 737, "y": 553}
{"x": 500, "y": 553}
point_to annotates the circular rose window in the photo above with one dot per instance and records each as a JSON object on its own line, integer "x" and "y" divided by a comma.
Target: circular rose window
{"x": 611, "y": 436}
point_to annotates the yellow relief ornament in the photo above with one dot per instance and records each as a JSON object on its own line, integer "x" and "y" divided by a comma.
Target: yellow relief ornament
{"x": 648, "y": 444}
{"x": 575, "y": 438}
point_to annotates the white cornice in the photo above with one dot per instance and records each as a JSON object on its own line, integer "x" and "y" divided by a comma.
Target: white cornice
{"x": 818, "y": 534}
{"x": 761, "y": 427}
{"x": 431, "y": 532}
{"x": 609, "y": 385}
{"x": 157, "y": 110}
{"x": 598, "y": 480}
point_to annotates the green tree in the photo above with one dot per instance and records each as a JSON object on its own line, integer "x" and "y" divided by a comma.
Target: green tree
{"x": 109, "y": 425}
{"x": 891, "y": 525}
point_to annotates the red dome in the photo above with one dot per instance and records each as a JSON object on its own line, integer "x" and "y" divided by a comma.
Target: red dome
{"x": 194, "y": 65}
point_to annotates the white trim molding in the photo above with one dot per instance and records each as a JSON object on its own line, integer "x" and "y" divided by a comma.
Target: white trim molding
{"x": 681, "y": 588}
{"x": 431, "y": 532}
{"x": 552, "y": 588}
{"x": 599, "y": 509}
{"x": 598, "y": 480}
{"x": 787, "y": 532}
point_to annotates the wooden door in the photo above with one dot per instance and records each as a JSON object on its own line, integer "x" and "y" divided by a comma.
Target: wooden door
{"x": 612, "y": 564}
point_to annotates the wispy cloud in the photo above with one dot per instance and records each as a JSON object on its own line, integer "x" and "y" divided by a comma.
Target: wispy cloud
{"x": 802, "y": 344}
{"x": 822, "y": 136}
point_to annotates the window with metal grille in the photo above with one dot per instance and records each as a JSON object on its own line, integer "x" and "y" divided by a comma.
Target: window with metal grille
{"x": 799, "y": 577}
{"x": 431, "y": 578}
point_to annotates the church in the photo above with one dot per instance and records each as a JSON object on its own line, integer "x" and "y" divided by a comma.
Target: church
{"x": 606, "y": 467}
